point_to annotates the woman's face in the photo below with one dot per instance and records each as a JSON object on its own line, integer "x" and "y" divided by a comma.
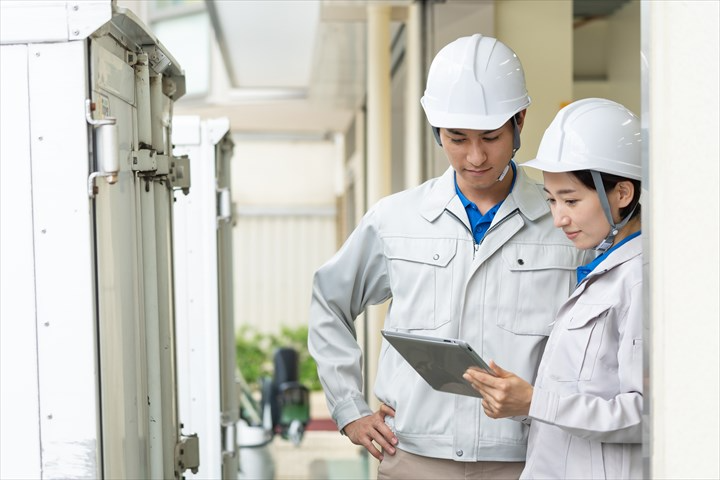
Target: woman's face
{"x": 576, "y": 209}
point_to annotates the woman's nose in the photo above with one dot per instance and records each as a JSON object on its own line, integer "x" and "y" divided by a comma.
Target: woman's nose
{"x": 560, "y": 219}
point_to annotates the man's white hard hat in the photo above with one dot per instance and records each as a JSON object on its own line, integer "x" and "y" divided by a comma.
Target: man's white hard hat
{"x": 474, "y": 83}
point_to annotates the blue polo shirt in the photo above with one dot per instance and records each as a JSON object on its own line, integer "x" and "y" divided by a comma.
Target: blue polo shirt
{"x": 479, "y": 222}
{"x": 584, "y": 270}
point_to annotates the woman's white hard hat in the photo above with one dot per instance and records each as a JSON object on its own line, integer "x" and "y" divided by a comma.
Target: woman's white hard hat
{"x": 474, "y": 83}
{"x": 592, "y": 134}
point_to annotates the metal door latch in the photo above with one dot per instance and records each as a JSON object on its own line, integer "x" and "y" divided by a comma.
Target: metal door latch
{"x": 187, "y": 454}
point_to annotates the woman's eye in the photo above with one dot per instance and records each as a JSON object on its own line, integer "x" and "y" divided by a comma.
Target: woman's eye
{"x": 551, "y": 201}
{"x": 570, "y": 203}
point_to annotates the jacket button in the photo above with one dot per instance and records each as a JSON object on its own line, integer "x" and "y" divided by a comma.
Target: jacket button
{"x": 459, "y": 453}
{"x": 436, "y": 256}
{"x": 521, "y": 261}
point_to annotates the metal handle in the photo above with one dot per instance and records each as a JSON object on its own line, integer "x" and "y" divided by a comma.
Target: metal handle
{"x": 107, "y": 148}
{"x": 96, "y": 123}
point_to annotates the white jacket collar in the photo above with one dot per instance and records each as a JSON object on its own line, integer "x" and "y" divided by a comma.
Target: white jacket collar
{"x": 525, "y": 196}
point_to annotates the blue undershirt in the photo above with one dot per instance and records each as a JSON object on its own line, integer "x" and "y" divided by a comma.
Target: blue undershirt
{"x": 584, "y": 270}
{"x": 480, "y": 223}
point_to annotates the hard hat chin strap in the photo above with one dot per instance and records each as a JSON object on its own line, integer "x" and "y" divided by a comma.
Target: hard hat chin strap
{"x": 504, "y": 172}
{"x": 436, "y": 133}
{"x": 516, "y": 147}
{"x": 605, "y": 203}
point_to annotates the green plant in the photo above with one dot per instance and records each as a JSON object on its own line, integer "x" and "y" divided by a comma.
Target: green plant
{"x": 255, "y": 350}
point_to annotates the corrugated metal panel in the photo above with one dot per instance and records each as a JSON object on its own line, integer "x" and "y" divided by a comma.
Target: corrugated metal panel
{"x": 275, "y": 258}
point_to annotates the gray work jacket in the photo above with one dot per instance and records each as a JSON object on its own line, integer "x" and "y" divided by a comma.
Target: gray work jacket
{"x": 587, "y": 404}
{"x": 501, "y": 296}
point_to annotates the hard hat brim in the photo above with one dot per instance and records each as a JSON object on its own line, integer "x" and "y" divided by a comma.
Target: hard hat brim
{"x": 467, "y": 121}
{"x": 558, "y": 167}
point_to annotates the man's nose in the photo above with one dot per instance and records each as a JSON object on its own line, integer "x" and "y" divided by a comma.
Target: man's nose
{"x": 476, "y": 154}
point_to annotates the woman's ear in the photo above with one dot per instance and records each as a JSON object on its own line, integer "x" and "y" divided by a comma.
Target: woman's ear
{"x": 625, "y": 190}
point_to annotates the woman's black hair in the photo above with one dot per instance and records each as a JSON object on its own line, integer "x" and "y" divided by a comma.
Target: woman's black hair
{"x": 609, "y": 182}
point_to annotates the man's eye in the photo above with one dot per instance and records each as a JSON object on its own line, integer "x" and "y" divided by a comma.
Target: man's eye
{"x": 457, "y": 140}
{"x": 551, "y": 201}
{"x": 491, "y": 139}
{"x": 570, "y": 203}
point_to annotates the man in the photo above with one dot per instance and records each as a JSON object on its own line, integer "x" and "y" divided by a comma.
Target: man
{"x": 472, "y": 254}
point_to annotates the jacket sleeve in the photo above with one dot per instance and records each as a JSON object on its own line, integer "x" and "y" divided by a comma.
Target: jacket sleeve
{"x": 350, "y": 281}
{"x": 614, "y": 420}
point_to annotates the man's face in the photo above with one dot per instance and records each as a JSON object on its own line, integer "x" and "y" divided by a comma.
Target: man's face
{"x": 478, "y": 156}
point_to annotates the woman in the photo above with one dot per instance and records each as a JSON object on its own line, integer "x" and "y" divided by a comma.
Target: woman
{"x": 585, "y": 409}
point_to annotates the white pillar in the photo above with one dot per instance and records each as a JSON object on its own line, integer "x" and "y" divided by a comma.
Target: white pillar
{"x": 378, "y": 103}
{"x": 378, "y": 153}
{"x": 682, "y": 235}
{"x": 413, "y": 91}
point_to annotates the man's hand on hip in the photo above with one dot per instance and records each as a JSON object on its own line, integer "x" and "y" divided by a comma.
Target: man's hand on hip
{"x": 366, "y": 430}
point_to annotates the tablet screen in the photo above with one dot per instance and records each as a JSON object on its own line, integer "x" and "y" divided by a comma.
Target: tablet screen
{"x": 440, "y": 361}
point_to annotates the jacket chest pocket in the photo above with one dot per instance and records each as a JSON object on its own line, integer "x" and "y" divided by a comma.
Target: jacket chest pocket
{"x": 421, "y": 279}
{"x": 533, "y": 282}
{"x": 576, "y": 345}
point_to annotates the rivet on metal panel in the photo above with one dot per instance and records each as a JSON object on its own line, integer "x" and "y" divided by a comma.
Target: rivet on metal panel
{"x": 37, "y": 54}
{"x": 49, "y": 417}
{"x": 43, "y": 230}
{"x": 76, "y": 32}
{"x": 76, "y": 7}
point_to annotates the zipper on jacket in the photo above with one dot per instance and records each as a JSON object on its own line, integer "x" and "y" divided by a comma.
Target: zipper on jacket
{"x": 476, "y": 245}
{"x": 503, "y": 220}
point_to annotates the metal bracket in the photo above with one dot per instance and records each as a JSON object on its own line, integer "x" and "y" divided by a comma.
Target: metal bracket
{"x": 224, "y": 208}
{"x": 159, "y": 62}
{"x": 131, "y": 58}
{"x": 187, "y": 454}
{"x": 180, "y": 173}
{"x": 144, "y": 160}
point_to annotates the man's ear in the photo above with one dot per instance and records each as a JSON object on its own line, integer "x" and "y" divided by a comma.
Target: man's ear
{"x": 520, "y": 118}
{"x": 625, "y": 190}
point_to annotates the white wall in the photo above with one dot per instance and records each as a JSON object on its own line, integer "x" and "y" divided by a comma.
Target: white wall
{"x": 540, "y": 33}
{"x": 452, "y": 20}
{"x": 684, "y": 122}
{"x": 619, "y": 39}
{"x": 284, "y": 194}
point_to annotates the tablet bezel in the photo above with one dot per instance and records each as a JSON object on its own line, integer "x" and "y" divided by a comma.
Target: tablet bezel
{"x": 441, "y": 362}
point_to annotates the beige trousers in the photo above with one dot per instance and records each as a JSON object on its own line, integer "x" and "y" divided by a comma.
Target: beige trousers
{"x": 408, "y": 466}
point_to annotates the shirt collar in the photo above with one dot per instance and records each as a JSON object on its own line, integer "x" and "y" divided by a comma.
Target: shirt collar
{"x": 466, "y": 202}
{"x": 584, "y": 270}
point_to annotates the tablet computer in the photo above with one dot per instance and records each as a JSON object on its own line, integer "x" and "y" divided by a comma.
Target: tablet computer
{"x": 440, "y": 361}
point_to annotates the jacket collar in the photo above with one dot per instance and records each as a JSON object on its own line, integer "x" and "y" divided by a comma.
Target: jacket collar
{"x": 525, "y": 196}
{"x": 630, "y": 250}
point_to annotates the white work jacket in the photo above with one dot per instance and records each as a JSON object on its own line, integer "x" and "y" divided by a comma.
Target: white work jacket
{"x": 587, "y": 405}
{"x": 500, "y": 296}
